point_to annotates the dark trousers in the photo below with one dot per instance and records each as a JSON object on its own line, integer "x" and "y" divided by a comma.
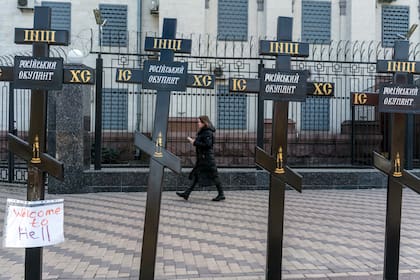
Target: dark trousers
{"x": 195, "y": 181}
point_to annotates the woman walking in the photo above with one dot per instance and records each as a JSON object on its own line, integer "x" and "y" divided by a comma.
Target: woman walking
{"x": 205, "y": 171}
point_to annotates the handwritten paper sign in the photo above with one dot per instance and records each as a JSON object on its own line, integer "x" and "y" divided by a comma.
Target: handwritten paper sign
{"x": 33, "y": 223}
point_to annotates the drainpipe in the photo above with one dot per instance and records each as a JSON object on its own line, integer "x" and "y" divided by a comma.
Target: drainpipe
{"x": 139, "y": 30}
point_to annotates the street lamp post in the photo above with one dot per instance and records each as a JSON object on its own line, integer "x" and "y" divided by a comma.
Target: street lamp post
{"x": 98, "y": 93}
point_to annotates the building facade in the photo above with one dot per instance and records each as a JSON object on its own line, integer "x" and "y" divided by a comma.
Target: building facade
{"x": 319, "y": 21}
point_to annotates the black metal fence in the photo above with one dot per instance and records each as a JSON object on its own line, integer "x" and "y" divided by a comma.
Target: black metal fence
{"x": 323, "y": 132}
{"x": 14, "y": 118}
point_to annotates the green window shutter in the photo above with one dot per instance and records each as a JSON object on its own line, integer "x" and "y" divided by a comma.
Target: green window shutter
{"x": 315, "y": 114}
{"x": 395, "y": 20}
{"x": 60, "y": 15}
{"x": 115, "y": 109}
{"x": 316, "y": 22}
{"x": 232, "y": 20}
{"x": 231, "y": 109}
{"x": 114, "y": 32}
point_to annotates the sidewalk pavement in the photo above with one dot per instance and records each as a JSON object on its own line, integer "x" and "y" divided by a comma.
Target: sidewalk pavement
{"x": 328, "y": 234}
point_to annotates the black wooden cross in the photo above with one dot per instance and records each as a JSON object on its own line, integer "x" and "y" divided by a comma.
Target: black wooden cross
{"x": 276, "y": 164}
{"x": 157, "y": 164}
{"x": 399, "y": 98}
{"x": 280, "y": 85}
{"x": 164, "y": 76}
{"x": 40, "y": 74}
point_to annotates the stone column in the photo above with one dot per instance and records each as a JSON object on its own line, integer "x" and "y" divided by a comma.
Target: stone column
{"x": 72, "y": 125}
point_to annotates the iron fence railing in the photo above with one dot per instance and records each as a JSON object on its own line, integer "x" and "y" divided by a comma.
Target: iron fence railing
{"x": 322, "y": 131}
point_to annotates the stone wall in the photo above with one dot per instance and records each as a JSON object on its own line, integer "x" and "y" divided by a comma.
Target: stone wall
{"x": 136, "y": 179}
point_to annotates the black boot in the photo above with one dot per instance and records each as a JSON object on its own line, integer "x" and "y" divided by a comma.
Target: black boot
{"x": 186, "y": 194}
{"x": 220, "y": 196}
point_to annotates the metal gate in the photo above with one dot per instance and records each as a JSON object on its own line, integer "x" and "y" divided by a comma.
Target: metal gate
{"x": 14, "y": 118}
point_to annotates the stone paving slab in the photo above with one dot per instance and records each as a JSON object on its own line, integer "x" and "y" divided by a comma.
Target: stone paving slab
{"x": 329, "y": 234}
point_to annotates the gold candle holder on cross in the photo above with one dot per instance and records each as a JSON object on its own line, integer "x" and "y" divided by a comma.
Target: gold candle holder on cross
{"x": 35, "y": 151}
{"x": 158, "y": 146}
{"x": 397, "y": 166}
{"x": 279, "y": 162}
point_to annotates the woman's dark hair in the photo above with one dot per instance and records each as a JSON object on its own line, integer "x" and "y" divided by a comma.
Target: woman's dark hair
{"x": 206, "y": 121}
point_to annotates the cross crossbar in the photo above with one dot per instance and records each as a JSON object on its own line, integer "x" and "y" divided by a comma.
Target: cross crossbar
{"x": 164, "y": 157}
{"x": 247, "y": 85}
{"x": 72, "y": 74}
{"x": 407, "y": 179}
{"x": 135, "y": 76}
{"x": 47, "y": 163}
{"x": 270, "y": 164}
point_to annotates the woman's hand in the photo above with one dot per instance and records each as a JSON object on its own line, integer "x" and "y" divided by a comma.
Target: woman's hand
{"x": 191, "y": 140}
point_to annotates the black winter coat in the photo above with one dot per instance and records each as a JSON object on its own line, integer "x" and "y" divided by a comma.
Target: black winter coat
{"x": 205, "y": 170}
